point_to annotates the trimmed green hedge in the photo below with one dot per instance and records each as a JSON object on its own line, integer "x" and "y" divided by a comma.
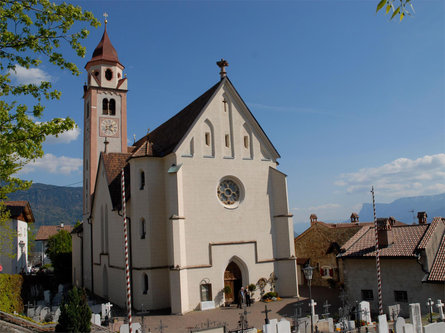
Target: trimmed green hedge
{"x": 10, "y": 293}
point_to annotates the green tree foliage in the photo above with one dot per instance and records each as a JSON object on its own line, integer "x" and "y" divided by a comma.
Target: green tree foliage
{"x": 10, "y": 293}
{"x": 396, "y": 7}
{"x": 75, "y": 314}
{"x": 32, "y": 31}
{"x": 59, "y": 250}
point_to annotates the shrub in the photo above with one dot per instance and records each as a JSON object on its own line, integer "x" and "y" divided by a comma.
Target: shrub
{"x": 75, "y": 314}
{"x": 10, "y": 293}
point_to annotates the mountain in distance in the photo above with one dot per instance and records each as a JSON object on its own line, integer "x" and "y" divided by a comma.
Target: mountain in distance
{"x": 402, "y": 209}
{"x": 52, "y": 205}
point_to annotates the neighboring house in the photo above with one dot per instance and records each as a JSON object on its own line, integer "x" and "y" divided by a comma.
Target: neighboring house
{"x": 14, "y": 258}
{"x": 319, "y": 245}
{"x": 44, "y": 233}
{"x": 205, "y": 203}
{"x": 412, "y": 261}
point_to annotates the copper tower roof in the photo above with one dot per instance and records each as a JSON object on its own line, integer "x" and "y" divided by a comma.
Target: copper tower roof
{"x": 105, "y": 50}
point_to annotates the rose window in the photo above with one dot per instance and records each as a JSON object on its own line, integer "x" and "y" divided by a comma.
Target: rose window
{"x": 228, "y": 192}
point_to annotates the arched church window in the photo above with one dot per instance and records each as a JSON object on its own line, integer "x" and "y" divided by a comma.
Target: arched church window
{"x": 108, "y": 74}
{"x": 143, "y": 228}
{"x": 105, "y": 106}
{"x": 142, "y": 180}
{"x": 145, "y": 284}
{"x": 112, "y": 107}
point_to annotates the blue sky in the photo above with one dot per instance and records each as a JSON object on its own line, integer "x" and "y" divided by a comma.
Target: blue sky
{"x": 349, "y": 98}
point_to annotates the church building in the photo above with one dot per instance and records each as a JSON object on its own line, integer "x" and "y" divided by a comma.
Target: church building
{"x": 206, "y": 205}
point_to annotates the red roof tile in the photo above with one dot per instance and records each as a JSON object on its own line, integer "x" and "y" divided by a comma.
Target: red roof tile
{"x": 406, "y": 239}
{"x": 432, "y": 227}
{"x": 113, "y": 163}
{"x": 437, "y": 272}
{"x": 46, "y": 231}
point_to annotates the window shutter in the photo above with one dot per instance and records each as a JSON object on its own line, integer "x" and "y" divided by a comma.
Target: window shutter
{"x": 331, "y": 272}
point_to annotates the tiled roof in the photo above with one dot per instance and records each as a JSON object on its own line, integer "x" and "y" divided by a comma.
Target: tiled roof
{"x": 113, "y": 163}
{"x": 437, "y": 272}
{"x": 105, "y": 50}
{"x": 46, "y": 231}
{"x": 432, "y": 227}
{"x": 406, "y": 238}
{"x": 356, "y": 237}
{"x": 167, "y": 136}
{"x": 20, "y": 210}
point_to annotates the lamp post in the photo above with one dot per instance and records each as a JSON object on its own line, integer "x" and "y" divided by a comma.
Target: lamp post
{"x": 308, "y": 270}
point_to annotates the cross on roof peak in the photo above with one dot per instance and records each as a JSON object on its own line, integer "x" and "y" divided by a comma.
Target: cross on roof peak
{"x": 105, "y": 15}
{"x": 222, "y": 64}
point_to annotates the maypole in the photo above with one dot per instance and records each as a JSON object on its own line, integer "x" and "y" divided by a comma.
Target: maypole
{"x": 377, "y": 256}
{"x": 127, "y": 269}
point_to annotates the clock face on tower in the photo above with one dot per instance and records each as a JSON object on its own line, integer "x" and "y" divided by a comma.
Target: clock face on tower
{"x": 109, "y": 127}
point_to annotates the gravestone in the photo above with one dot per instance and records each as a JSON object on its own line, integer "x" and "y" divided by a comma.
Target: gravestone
{"x": 207, "y": 305}
{"x": 408, "y": 328}
{"x": 96, "y": 319}
{"x": 351, "y": 325}
{"x": 30, "y": 312}
{"x": 382, "y": 324}
{"x": 47, "y": 296}
{"x": 273, "y": 321}
{"x": 43, "y": 314}
{"x": 393, "y": 312}
{"x": 106, "y": 310}
{"x": 439, "y": 306}
{"x": 60, "y": 289}
{"x": 38, "y": 309}
{"x": 416, "y": 317}
{"x": 434, "y": 328}
{"x": 250, "y": 330}
{"x": 96, "y": 308}
{"x": 326, "y": 325}
{"x": 283, "y": 326}
{"x": 270, "y": 328}
{"x": 135, "y": 328}
{"x": 365, "y": 312}
{"x": 398, "y": 326}
{"x": 57, "y": 315}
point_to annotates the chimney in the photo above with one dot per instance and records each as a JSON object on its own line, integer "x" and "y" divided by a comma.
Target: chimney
{"x": 384, "y": 229}
{"x": 313, "y": 219}
{"x": 61, "y": 225}
{"x": 354, "y": 218}
{"x": 421, "y": 217}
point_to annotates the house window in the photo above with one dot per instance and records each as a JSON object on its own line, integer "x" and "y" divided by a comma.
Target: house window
{"x": 327, "y": 272}
{"x": 207, "y": 139}
{"x": 367, "y": 295}
{"x": 112, "y": 107}
{"x": 142, "y": 185}
{"x": 145, "y": 284}
{"x": 143, "y": 228}
{"x": 227, "y": 141}
{"x": 246, "y": 141}
{"x": 401, "y": 296}
{"x": 206, "y": 292}
{"x": 105, "y": 106}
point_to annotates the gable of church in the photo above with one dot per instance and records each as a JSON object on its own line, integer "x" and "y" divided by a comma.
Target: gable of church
{"x": 226, "y": 127}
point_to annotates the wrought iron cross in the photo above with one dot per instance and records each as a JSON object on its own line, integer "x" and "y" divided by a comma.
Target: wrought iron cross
{"x": 161, "y": 327}
{"x": 326, "y": 310}
{"x": 430, "y": 304}
{"x": 266, "y": 312}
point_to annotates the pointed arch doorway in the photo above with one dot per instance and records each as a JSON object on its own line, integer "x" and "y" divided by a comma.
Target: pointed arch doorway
{"x": 234, "y": 279}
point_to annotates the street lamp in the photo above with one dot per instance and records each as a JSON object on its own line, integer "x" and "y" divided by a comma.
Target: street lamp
{"x": 308, "y": 270}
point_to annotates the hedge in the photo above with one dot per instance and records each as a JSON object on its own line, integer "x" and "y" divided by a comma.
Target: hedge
{"x": 10, "y": 293}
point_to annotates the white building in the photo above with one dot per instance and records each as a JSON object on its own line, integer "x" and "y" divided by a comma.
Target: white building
{"x": 206, "y": 204}
{"x": 14, "y": 253}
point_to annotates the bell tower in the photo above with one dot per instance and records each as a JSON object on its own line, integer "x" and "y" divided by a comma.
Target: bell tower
{"x": 105, "y": 112}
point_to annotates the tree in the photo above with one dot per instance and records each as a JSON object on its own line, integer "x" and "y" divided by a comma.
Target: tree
{"x": 59, "y": 250}
{"x": 32, "y": 31}
{"x": 400, "y": 7}
{"x": 75, "y": 314}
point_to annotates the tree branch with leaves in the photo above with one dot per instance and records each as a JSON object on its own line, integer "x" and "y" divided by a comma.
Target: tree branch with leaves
{"x": 397, "y": 7}
{"x": 32, "y": 31}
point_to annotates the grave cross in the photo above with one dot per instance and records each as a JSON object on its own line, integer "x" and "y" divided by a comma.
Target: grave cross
{"x": 266, "y": 312}
{"x": 161, "y": 327}
{"x": 326, "y": 310}
{"x": 430, "y": 304}
{"x": 439, "y": 306}
{"x": 243, "y": 323}
{"x": 297, "y": 315}
{"x": 357, "y": 315}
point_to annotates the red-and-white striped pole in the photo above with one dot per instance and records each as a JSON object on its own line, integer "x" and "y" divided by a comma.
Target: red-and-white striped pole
{"x": 127, "y": 268}
{"x": 377, "y": 256}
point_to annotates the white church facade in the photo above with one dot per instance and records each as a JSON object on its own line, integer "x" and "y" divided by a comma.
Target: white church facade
{"x": 205, "y": 203}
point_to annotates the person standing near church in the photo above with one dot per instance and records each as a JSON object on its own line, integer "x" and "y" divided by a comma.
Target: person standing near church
{"x": 248, "y": 302}
{"x": 241, "y": 296}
